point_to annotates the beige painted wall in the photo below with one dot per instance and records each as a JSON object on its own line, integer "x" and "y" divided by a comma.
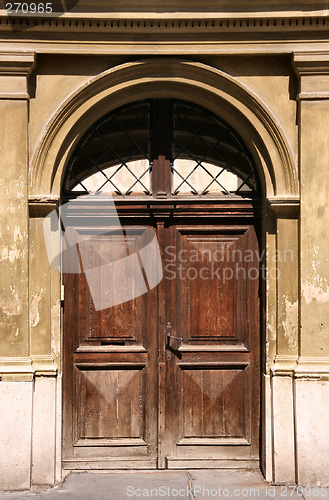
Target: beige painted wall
{"x": 282, "y": 108}
{"x": 14, "y": 229}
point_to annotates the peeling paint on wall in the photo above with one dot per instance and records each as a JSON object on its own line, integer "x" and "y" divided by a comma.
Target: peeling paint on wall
{"x": 17, "y": 234}
{"x": 11, "y": 306}
{"x": 55, "y": 327}
{"x": 317, "y": 293}
{"x": 290, "y": 324}
{"x": 315, "y": 287}
{"x": 21, "y": 188}
{"x": 35, "y": 317}
{"x": 11, "y": 253}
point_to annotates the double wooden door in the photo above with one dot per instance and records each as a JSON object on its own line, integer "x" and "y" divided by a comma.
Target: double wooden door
{"x": 170, "y": 378}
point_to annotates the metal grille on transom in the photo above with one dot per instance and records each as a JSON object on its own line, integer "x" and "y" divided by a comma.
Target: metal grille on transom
{"x": 119, "y": 152}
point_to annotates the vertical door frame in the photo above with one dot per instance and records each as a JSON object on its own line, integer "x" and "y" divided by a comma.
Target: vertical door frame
{"x": 266, "y": 138}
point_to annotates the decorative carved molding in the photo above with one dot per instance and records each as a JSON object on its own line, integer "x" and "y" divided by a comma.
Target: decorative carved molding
{"x": 164, "y": 23}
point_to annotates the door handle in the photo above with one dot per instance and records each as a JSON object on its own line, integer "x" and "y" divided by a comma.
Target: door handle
{"x": 172, "y": 337}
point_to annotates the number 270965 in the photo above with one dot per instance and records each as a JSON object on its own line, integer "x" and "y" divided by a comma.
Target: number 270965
{"x": 26, "y": 8}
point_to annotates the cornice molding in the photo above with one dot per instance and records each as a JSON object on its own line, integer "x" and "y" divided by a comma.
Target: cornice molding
{"x": 301, "y": 367}
{"x": 165, "y": 23}
{"x": 24, "y": 369}
{"x": 311, "y": 63}
{"x": 312, "y": 368}
{"x": 99, "y": 6}
{"x": 283, "y": 207}
{"x": 42, "y": 205}
{"x": 312, "y": 68}
{"x": 15, "y": 70}
{"x": 17, "y": 369}
{"x": 44, "y": 366}
{"x": 284, "y": 365}
{"x": 17, "y": 63}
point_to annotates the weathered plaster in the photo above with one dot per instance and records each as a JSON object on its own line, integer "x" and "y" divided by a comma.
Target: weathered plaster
{"x": 290, "y": 323}
{"x": 59, "y": 77}
{"x": 55, "y": 327}
{"x": 314, "y": 233}
{"x": 11, "y": 306}
{"x": 14, "y": 230}
{"x": 34, "y": 308}
{"x": 316, "y": 293}
{"x": 272, "y": 79}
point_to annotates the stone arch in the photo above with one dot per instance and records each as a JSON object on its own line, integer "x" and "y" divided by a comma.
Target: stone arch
{"x": 196, "y": 82}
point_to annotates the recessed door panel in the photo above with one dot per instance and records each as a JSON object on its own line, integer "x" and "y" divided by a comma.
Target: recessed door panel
{"x": 212, "y": 360}
{"x": 213, "y": 403}
{"x": 110, "y": 364}
{"x": 110, "y": 404}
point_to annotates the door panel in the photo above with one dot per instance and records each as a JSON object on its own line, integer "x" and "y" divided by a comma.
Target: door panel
{"x": 213, "y": 349}
{"x": 211, "y": 397}
{"x": 110, "y": 371}
{"x": 135, "y": 397}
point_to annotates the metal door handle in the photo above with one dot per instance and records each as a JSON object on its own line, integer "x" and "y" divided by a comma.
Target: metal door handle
{"x": 169, "y": 336}
{"x": 172, "y": 337}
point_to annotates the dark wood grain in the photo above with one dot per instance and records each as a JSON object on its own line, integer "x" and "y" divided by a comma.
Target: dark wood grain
{"x": 212, "y": 393}
{"x": 128, "y": 394}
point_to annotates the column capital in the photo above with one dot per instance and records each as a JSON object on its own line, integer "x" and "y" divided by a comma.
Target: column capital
{"x": 312, "y": 68}
{"x": 15, "y": 70}
{"x": 284, "y": 207}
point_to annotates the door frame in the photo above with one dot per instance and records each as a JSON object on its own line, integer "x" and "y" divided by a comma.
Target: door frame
{"x": 264, "y": 135}
{"x": 159, "y": 212}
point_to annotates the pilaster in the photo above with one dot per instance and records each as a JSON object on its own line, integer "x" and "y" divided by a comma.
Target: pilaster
{"x": 16, "y": 386}
{"x": 15, "y": 70}
{"x": 312, "y": 370}
{"x": 286, "y": 211}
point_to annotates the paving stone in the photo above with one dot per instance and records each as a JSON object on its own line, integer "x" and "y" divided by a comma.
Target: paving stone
{"x": 116, "y": 486}
{"x": 182, "y": 485}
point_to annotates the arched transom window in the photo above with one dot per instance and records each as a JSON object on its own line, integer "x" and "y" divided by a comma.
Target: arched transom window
{"x": 161, "y": 147}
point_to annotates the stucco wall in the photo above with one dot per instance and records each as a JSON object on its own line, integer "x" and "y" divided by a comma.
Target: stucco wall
{"x": 274, "y": 90}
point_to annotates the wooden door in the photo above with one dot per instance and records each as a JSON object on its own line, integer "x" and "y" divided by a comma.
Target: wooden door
{"x": 212, "y": 386}
{"x": 110, "y": 364}
{"x": 172, "y": 377}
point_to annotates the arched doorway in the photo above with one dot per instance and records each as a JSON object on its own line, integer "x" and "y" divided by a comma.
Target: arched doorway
{"x": 170, "y": 378}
